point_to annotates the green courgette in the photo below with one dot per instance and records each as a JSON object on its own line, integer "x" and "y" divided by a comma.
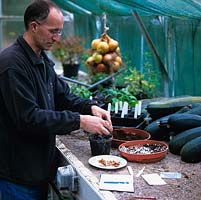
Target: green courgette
{"x": 159, "y": 130}
{"x": 184, "y": 121}
{"x": 195, "y": 109}
{"x": 179, "y": 140}
{"x": 191, "y": 151}
{"x": 162, "y": 108}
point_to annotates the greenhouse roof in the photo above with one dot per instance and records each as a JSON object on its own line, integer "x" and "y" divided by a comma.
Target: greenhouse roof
{"x": 174, "y": 8}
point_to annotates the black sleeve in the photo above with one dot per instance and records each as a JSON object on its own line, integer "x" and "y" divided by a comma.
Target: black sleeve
{"x": 66, "y": 100}
{"x": 26, "y": 115}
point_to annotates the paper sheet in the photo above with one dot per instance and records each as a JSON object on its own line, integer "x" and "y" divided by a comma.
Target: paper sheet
{"x": 116, "y": 182}
{"x": 153, "y": 179}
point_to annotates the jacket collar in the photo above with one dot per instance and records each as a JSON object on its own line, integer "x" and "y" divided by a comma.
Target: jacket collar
{"x": 31, "y": 54}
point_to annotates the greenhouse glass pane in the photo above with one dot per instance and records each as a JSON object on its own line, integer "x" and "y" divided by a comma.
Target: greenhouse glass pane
{"x": 12, "y": 25}
{"x": 14, "y": 7}
{"x": 11, "y": 29}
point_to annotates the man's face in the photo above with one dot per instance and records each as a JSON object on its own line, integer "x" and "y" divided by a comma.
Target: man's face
{"x": 49, "y": 31}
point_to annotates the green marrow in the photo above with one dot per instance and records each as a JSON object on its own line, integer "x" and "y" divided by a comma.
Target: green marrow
{"x": 160, "y": 132}
{"x": 191, "y": 151}
{"x": 195, "y": 109}
{"x": 157, "y": 132}
{"x": 162, "y": 108}
{"x": 184, "y": 121}
{"x": 178, "y": 141}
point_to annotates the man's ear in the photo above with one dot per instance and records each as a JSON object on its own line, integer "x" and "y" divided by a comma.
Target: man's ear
{"x": 33, "y": 26}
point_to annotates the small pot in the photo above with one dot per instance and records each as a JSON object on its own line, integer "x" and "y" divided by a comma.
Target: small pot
{"x": 100, "y": 144}
{"x": 70, "y": 70}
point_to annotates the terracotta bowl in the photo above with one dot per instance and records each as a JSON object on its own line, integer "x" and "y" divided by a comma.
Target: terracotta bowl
{"x": 136, "y": 151}
{"x": 125, "y": 134}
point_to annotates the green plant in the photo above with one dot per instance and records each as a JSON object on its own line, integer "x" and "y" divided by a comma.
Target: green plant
{"x": 137, "y": 85}
{"x": 113, "y": 95}
{"x": 97, "y": 77}
{"x": 152, "y": 75}
{"x": 81, "y": 91}
{"x": 69, "y": 50}
{"x": 143, "y": 85}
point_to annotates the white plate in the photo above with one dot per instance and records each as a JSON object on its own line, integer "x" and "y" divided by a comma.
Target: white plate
{"x": 94, "y": 161}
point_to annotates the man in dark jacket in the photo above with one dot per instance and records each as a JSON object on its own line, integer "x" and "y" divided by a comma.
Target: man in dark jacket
{"x": 35, "y": 106}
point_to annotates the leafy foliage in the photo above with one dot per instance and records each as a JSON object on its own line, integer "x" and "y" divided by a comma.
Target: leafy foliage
{"x": 113, "y": 95}
{"x": 81, "y": 91}
{"x": 138, "y": 86}
{"x": 141, "y": 85}
{"x": 97, "y": 77}
{"x": 69, "y": 50}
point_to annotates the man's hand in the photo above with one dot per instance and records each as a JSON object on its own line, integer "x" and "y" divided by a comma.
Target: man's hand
{"x": 99, "y": 112}
{"x": 99, "y": 123}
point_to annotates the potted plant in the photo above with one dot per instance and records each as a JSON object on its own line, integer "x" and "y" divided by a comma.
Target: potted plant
{"x": 69, "y": 52}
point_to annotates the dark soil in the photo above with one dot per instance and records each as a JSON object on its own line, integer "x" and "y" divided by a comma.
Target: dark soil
{"x": 127, "y": 136}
